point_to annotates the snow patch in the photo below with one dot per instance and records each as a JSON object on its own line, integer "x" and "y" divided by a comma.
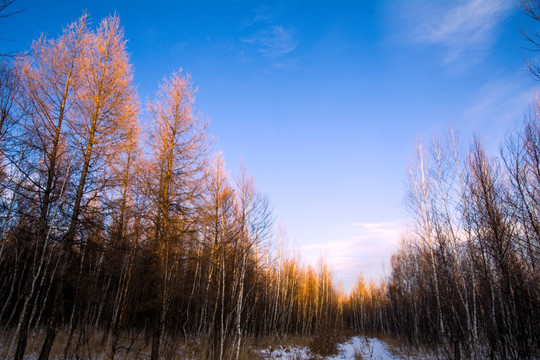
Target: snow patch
{"x": 368, "y": 348}
{"x": 286, "y": 352}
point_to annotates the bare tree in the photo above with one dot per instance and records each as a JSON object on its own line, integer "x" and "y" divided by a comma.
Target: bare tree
{"x": 178, "y": 146}
{"x": 255, "y": 221}
{"x": 6, "y": 12}
{"x": 531, "y": 8}
{"x": 421, "y": 193}
{"x": 106, "y": 107}
{"x": 49, "y": 79}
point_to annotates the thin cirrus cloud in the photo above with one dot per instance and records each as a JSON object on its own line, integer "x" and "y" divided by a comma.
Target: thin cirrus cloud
{"x": 466, "y": 29}
{"x": 272, "y": 42}
{"x": 498, "y": 104}
{"x": 266, "y": 36}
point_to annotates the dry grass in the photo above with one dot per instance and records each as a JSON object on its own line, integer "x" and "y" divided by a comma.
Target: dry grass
{"x": 279, "y": 341}
{"x": 324, "y": 344}
{"x": 402, "y": 349}
{"x": 358, "y": 355}
{"x": 84, "y": 345}
{"x": 35, "y": 341}
{"x": 132, "y": 346}
{"x": 91, "y": 345}
{"x": 325, "y": 341}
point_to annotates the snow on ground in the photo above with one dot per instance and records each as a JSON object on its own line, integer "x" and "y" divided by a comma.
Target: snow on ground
{"x": 285, "y": 353}
{"x": 368, "y": 348}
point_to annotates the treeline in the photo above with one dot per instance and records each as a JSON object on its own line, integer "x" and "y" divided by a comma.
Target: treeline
{"x": 130, "y": 234}
{"x": 466, "y": 279}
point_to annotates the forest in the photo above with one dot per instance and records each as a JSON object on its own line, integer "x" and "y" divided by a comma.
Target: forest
{"x": 136, "y": 238}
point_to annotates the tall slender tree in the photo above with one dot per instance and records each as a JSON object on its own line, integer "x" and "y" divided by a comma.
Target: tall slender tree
{"x": 106, "y": 111}
{"x": 50, "y": 77}
{"x": 178, "y": 147}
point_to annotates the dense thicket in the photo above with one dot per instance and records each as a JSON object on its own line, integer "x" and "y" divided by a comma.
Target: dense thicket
{"x": 105, "y": 230}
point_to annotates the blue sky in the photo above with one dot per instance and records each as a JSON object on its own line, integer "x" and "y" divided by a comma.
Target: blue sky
{"x": 324, "y": 101}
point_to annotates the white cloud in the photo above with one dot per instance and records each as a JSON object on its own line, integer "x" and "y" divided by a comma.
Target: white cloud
{"x": 264, "y": 34}
{"x": 464, "y": 28}
{"x": 272, "y": 42}
{"x": 365, "y": 248}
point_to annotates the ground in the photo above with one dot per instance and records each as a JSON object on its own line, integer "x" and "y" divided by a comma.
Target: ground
{"x": 356, "y": 348}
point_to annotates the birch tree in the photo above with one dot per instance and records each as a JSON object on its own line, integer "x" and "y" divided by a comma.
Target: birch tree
{"x": 254, "y": 221}
{"x": 421, "y": 188}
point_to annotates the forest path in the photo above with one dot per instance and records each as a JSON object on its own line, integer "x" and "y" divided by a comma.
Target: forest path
{"x": 358, "y": 347}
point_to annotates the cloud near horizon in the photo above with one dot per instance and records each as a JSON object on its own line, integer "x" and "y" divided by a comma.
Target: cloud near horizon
{"x": 364, "y": 249}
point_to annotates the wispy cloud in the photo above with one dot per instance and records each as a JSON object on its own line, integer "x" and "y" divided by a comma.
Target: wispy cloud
{"x": 273, "y": 42}
{"x": 267, "y": 36}
{"x": 260, "y": 14}
{"x": 464, "y": 29}
{"x": 498, "y": 104}
{"x": 365, "y": 247}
